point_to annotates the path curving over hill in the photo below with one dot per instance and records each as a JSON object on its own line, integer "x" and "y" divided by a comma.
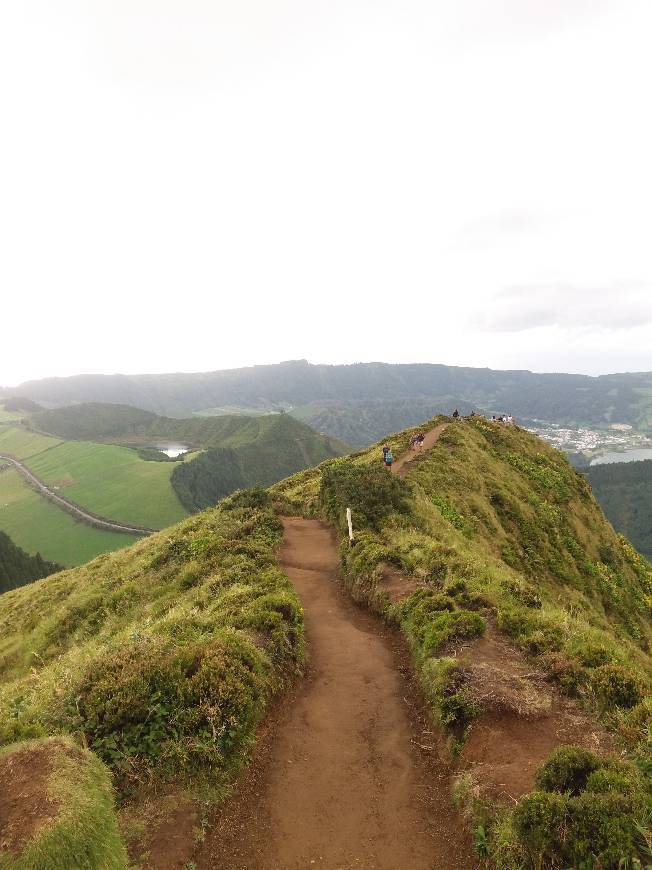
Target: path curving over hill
{"x": 402, "y": 464}
{"x": 70, "y": 507}
{"x": 342, "y": 782}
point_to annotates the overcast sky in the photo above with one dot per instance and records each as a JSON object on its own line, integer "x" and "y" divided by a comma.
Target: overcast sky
{"x": 196, "y": 185}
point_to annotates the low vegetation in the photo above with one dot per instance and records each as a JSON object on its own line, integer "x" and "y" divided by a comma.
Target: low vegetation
{"x": 161, "y": 659}
{"x": 495, "y": 528}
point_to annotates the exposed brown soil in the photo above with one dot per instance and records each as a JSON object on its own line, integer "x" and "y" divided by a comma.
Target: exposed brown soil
{"x": 402, "y": 464}
{"x": 347, "y": 778}
{"x": 25, "y": 805}
{"x": 396, "y": 585}
{"x": 171, "y": 826}
{"x": 525, "y": 719}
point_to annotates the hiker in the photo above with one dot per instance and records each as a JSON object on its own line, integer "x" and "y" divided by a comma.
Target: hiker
{"x": 388, "y": 458}
{"x": 413, "y": 441}
{"x": 420, "y": 439}
{"x": 456, "y": 414}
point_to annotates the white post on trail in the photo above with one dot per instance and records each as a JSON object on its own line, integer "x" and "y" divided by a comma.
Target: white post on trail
{"x": 350, "y": 522}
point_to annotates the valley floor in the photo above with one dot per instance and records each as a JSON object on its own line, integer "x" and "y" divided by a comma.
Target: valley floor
{"x": 350, "y": 779}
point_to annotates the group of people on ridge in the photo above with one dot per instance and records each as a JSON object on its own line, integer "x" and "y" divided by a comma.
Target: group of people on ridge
{"x": 416, "y": 441}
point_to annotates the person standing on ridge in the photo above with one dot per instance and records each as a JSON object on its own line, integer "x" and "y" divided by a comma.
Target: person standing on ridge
{"x": 388, "y": 458}
{"x": 456, "y": 414}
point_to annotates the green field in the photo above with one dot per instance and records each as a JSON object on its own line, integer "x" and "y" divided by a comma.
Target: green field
{"x": 112, "y": 481}
{"x": 36, "y": 525}
{"x": 10, "y": 415}
{"x": 23, "y": 444}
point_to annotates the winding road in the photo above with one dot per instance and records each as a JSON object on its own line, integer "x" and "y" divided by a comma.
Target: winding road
{"x": 72, "y": 508}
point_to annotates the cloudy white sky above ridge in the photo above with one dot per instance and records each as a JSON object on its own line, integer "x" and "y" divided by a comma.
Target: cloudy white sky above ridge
{"x": 201, "y": 185}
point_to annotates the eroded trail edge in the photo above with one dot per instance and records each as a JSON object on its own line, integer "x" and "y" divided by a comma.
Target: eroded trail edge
{"x": 342, "y": 782}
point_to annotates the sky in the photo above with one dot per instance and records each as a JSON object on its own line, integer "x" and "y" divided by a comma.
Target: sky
{"x": 197, "y": 185}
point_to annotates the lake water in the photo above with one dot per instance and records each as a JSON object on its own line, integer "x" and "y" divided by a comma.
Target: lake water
{"x": 171, "y": 450}
{"x": 623, "y": 456}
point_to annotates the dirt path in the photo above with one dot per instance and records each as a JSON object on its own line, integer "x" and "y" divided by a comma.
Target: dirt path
{"x": 342, "y": 783}
{"x": 69, "y": 506}
{"x": 402, "y": 464}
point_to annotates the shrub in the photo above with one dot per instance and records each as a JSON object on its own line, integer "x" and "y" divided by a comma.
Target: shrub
{"x": 157, "y": 704}
{"x": 445, "y": 627}
{"x": 444, "y": 682}
{"x": 567, "y": 769}
{"x": 585, "y": 813}
{"x": 615, "y": 686}
{"x": 601, "y": 830}
{"x": 565, "y": 670}
{"x": 256, "y": 497}
{"x": 370, "y": 492}
{"x": 537, "y": 822}
{"x": 525, "y": 593}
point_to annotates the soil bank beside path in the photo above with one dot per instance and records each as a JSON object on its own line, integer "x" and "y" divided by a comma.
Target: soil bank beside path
{"x": 341, "y": 782}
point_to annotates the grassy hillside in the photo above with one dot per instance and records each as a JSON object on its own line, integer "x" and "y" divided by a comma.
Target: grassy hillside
{"x": 161, "y": 658}
{"x": 624, "y": 490}
{"x": 37, "y": 525}
{"x": 278, "y": 447}
{"x": 18, "y": 568}
{"x": 238, "y": 451}
{"x": 499, "y": 534}
{"x": 343, "y": 397}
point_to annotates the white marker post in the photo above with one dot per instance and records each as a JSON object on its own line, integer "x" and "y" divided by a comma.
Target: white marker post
{"x": 350, "y": 523}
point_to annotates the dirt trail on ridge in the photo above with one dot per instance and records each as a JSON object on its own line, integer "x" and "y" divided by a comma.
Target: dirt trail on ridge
{"x": 402, "y": 464}
{"x": 341, "y": 782}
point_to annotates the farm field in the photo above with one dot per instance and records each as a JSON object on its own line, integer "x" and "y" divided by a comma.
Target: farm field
{"x": 111, "y": 481}
{"x": 36, "y": 525}
{"x": 23, "y": 444}
{"x": 8, "y": 416}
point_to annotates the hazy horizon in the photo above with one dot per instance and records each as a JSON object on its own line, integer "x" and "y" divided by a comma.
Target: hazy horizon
{"x": 310, "y": 362}
{"x": 200, "y": 185}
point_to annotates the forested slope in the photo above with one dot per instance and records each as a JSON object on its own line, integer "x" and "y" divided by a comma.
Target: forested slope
{"x": 624, "y": 490}
{"x": 18, "y": 568}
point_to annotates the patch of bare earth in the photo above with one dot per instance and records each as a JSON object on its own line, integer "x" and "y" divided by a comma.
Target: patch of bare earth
{"x": 170, "y": 825}
{"x": 396, "y": 585}
{"x": 525, "y": 718}
{"x": 25, "y": 804}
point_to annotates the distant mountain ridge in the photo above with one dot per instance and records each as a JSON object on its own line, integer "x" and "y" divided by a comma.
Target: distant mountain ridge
{"x": 343, "y": 400}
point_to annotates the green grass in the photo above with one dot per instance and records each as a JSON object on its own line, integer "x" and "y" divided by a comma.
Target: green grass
{"x": 494, "y": 520}
{"x": 112, "y": 481}
{"x": 36, "y": 525}
{"x": 161, "y": 658}
{"x": 23, "y": 444}
{"x": 6, "y": 416}
{"x": 84, "y": 832}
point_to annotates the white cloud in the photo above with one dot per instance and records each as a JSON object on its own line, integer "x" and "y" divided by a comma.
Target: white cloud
{"x": 200, "y": 185}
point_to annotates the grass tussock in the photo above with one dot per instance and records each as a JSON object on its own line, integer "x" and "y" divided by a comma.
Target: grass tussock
{"x": 162, "y": 658}
{"x": 79, "y": 827}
